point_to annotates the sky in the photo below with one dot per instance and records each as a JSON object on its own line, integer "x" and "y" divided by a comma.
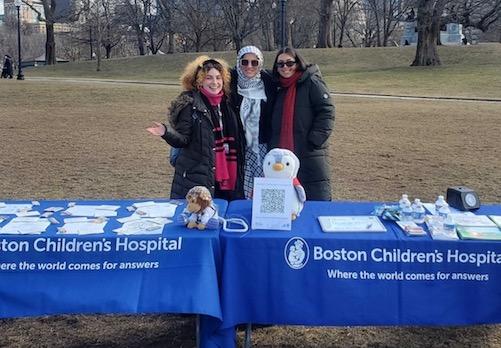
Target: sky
{"x": 1, "y": 6}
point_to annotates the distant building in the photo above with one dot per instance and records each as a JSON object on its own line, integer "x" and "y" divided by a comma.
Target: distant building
{"x": 31, "y": 17}
{"x": 450, "y": 34}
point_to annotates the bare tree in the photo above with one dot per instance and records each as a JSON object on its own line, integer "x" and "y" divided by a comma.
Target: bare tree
{"x": 325, "y": 24}
{"x": 267, "y": 17}
{"x": 51, "y": 16}
{"x": 112, "y": 33}
{"x": 155, "y": 32}
{"x": 428, "y": 26}
{"x": 479, "y": 14}
{"x": 343, "y": 9}
{"x": 166, "y": 10}
{"x": 387, "y": 15}
{"x": 195, "y": 16}
{"x": 241, "y": 17}
{"x": 302, "y": 23}
{"x": 135, "y": 14}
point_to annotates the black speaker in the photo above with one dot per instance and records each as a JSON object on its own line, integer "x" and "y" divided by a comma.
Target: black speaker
{"x": 462, "y": 198}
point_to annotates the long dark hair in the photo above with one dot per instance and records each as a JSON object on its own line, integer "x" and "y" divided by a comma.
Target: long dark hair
{"x": 301, "y": 63}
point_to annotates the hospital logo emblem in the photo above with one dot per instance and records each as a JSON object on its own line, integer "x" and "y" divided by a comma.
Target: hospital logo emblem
{"x": 296, "y": 253}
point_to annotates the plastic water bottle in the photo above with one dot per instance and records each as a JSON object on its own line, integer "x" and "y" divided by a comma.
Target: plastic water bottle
{"x": 406, "y": 214}
{"x": 444, "y": 211}
{"x": 449, "y": 224}
{"x": 404, "y": 201}
{"x": 418, "y": 211}
{"x": 439, "y": 203}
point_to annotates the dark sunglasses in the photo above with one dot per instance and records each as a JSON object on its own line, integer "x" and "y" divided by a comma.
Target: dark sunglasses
{"x": 289, "y": 63}
{"x": 246, "y": 62}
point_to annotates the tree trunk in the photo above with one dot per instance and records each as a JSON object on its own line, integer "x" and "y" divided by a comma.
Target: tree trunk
{"x": 170, "y": 45}
{"x": 267, "y": 35}
{"x": 91, "y": 39}
{"x": 50, "y": 45}
{"x": 325, "y": 25}
{"x": 140, "y": 40}
{"x": 428, "y": 25}
{"x": 238, "y": 42}
{"x": 341, "y": 34}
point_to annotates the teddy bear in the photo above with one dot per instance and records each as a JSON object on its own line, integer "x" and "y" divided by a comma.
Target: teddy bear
{"x": 200, "y": 208}
{"x": 283, "y": 163}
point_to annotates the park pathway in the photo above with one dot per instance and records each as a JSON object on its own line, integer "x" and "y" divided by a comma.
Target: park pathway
{"x": 175, "y": 84}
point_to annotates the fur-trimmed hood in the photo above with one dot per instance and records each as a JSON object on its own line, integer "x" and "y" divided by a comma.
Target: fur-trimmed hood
{"x": 182, "y": 100}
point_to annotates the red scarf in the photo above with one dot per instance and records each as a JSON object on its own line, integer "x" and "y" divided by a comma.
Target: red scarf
{"x": 287, "y": 131}
{"x": 225, "y": 134}
{"x": 214, "y": 99}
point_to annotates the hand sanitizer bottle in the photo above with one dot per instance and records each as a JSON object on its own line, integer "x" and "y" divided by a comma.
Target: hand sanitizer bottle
{"x": 406, "y": 214}
{"x": 439, "y": 203}
{"x": 418, "y": 211}
{"x": 404, "y": 201}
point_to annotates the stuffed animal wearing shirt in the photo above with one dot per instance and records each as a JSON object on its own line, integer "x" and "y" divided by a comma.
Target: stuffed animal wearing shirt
{"x": 282, "y": 163}
{"x": 200, "y": 207}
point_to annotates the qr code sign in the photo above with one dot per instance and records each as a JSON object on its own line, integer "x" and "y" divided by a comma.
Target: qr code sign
{"x": 273, "y": 201}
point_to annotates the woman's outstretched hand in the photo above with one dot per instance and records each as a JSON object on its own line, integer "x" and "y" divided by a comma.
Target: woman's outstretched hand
{"x": 158, "y": 129}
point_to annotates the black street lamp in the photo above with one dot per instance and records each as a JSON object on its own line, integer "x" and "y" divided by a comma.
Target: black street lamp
{"x": 283, "y": 16}
{"x": 20, "y": 75}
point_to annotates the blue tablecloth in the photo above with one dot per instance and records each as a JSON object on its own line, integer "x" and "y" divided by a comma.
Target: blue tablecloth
{"x": 175, "y": 272}
{"x": 356, "y": 278}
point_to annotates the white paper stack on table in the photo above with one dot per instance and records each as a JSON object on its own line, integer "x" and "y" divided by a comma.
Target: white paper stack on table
{"x": 92, "y": 210}
{"x": 12, "y": 209}
{"x": 153, "y": 209}
{"x": 477, "y": 227}
{"x": 136, "y": 225}
{"x": 83, "y": 226}
{"x": 25, "y": 225}
{"x": 435, "y": 225}
{"x": 368, "y": 223}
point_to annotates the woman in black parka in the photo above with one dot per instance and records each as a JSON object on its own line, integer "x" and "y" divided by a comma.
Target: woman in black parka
{"x": 206, "y": 128}
{"x": 303, "y": 119}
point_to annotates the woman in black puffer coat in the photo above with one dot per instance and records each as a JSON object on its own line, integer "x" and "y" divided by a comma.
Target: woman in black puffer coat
{"x": 205, "y": 127}
{"x": 302, "y": 120}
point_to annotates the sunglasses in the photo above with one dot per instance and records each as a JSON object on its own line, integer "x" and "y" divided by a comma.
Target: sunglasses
{"x": 289, "y": 63}
{"x": 246, "y": 62}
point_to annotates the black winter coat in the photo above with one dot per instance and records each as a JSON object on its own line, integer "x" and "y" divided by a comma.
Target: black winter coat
{"x": 270, "y": 89}
{"x": 191, "y": 129}
{"x": 313, "y": 124}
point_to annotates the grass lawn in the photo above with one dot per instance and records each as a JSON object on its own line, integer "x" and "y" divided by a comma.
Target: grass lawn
{"x": 468, "y": 71}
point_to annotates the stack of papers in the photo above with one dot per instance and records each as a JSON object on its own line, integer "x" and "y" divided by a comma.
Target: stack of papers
{"x": 136, "y": 225}
{"x": 435, "y": 225}
{"x": 153, "y": 210}
{"x": 25, "y": 225}
{"x": 351, "y": 224}
{"x": 83, "y": 226}
{"x": 11, "y": 209}
{"x": 485, "y": 233}
{"x": 411, "y": 228}
{"x": 473, "y": 220}
{"x": 92, "y": 210}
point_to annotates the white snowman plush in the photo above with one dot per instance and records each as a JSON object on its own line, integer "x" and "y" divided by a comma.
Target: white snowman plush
{"x": 283, "y": 164}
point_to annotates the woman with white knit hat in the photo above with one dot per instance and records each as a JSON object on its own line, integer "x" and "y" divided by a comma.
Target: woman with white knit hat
{"x": 253, "y": 92}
